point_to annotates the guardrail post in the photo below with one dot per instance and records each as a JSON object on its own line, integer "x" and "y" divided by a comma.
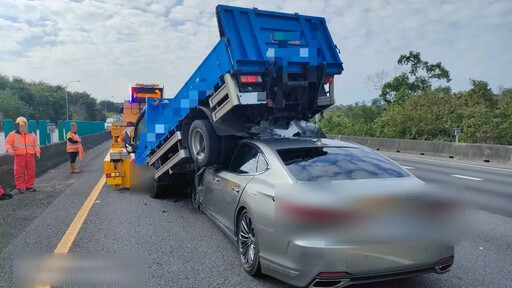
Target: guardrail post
{"x": 8, "y": 126}
{"x": 32, "y": 126}
{"x": 43, "y": 133}
{"x": 49, "y": 138}
{"x": 60, "y": 128}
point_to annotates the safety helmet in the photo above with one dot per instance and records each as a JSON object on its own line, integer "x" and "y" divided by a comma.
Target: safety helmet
{"x": 21, "y": 120}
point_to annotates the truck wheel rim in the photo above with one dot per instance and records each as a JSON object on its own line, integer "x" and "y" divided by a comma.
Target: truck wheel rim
{"x": 198, "y": 145}
{"x": 246, "y": 241}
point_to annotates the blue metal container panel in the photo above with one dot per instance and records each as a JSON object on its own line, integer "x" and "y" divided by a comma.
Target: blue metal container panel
{"x": 164, "y": 116}
{"x": 258, "y": 36}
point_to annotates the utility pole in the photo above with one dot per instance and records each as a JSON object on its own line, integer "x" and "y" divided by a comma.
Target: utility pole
{"x": 67, "y": 101}
{"x": 111, "y": 97}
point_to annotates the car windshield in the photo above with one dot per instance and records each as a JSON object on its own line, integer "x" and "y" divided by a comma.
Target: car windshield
{"x": 329, "y": 164}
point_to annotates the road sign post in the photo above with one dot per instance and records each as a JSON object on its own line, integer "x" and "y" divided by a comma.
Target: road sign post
{"x": 457, "y": 133}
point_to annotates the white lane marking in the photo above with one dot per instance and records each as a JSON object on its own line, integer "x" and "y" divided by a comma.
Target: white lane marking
{"x": 467, "y": 177}
{"x": 407, "y": 167}
{"x": 446, "y": 162}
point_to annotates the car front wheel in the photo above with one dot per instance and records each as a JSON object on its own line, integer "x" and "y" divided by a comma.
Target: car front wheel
{"x": 248, "y": 245}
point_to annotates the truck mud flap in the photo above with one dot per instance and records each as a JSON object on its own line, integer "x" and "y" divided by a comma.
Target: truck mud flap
{"x": 327, "y": 100}
{"x": 225, "y": 98}
{"x": 171, "y": 142}
{"x": 182, "y": 155}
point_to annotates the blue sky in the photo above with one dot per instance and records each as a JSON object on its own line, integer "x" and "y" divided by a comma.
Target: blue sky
{"x": 111, "y": 44}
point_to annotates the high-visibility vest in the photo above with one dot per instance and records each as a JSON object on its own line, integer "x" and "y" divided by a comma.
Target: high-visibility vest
{"x": 22, "y": 143}
{"x": 73, "y": 147}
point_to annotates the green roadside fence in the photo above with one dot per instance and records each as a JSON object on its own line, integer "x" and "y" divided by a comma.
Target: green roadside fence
{"x": 47, "y": 129}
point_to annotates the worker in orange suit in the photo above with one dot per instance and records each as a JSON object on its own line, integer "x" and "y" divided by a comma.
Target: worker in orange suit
{"x": 74, "y": 147}
{"x": 23, "y": 146}
{"x": 4, "y": 195}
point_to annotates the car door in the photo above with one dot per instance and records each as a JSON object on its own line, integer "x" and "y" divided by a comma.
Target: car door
{"x": 212, "y": 185}
{"x": 230, "y": 183}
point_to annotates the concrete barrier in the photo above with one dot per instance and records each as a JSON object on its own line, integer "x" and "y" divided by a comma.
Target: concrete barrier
{"x": 51, "y": 156}
{"x": 481, "y": 152}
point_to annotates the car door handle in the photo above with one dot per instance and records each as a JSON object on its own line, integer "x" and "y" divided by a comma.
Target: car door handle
{"x": 216, "y": 180}
{"x": 236, "y": 189}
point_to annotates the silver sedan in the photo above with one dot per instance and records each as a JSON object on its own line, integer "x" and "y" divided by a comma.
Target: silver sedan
{"x": 325, "y": 213}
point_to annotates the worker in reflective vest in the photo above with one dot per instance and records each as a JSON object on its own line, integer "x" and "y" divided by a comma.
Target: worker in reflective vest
{"x": 23, "y": 146}
{"x": 4, "y": 195}
{"x": 74, "y": 147}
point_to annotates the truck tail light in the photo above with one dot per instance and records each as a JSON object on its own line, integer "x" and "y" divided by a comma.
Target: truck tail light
{"x": 329, "y": 79}
{"x": 113, "y": 174}
{"x": 249, "y": 79}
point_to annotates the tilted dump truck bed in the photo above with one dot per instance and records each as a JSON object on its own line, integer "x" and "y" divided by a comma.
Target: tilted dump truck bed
{"x": 266, "y": 66}
{"x": 253, "y": 39}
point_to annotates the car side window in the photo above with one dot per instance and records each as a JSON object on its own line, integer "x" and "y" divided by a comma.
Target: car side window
{"x": 262, "y": 164}
{"x": 245, "y": 160}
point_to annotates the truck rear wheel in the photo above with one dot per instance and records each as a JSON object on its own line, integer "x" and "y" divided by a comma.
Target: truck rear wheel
{"x": 203, "y": 143}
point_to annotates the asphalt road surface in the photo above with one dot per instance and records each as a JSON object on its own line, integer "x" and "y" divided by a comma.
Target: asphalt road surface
{"x": 180, "y": 247}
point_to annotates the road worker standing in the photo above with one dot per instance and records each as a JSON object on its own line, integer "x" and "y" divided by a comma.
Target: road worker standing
{"x": 74, "y": 147}
{"x": 23, "y": 146}
{"x": 4, "y": 195}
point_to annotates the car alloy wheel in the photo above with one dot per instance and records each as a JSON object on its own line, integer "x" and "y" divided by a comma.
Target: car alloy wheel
{"x": 248, "y": 244}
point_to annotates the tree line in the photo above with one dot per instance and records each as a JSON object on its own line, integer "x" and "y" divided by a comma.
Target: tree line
{"x": 39, "y": 100}
{"x": 419, "y": 104}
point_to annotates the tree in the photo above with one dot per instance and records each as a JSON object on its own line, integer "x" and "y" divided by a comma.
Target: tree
{"x": 49, "y": 102}
{"x": 11, "y": 106}
{"x": 112, "y": 108}
{"x": 417, "y": 78}
{"x": 83, "y": 107}
{"x": 39, "y": 100}
{"x": 377, "y": 80}
{"x": 428, "y": 116}
{"x": 486, "y": 117}
{"x": 355, "y": 119}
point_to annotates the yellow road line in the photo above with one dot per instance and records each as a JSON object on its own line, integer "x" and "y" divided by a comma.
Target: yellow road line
{"x": 68, "y": 238}
{"x": 73, "y": 229}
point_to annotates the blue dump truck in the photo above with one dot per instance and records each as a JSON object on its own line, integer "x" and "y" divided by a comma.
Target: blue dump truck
{"x": 268, "y": 75}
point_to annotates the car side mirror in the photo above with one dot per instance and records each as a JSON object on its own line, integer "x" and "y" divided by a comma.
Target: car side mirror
{"x": 128, "y": 142}
{"x": 129, "y": 148}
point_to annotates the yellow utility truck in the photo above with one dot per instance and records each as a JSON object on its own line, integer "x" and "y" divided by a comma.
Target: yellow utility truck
{"x": 117, "y": 163}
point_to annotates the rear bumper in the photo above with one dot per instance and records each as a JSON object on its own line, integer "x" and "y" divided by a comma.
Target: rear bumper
{"x": 350, "y": 280}
{"x": 304, "y": 266}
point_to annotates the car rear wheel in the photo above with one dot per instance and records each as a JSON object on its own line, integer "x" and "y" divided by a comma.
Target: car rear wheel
{"x": 248, "y": 245}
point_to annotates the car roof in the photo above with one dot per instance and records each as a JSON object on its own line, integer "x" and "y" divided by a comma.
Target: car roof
{"x": 284, "y": 143}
